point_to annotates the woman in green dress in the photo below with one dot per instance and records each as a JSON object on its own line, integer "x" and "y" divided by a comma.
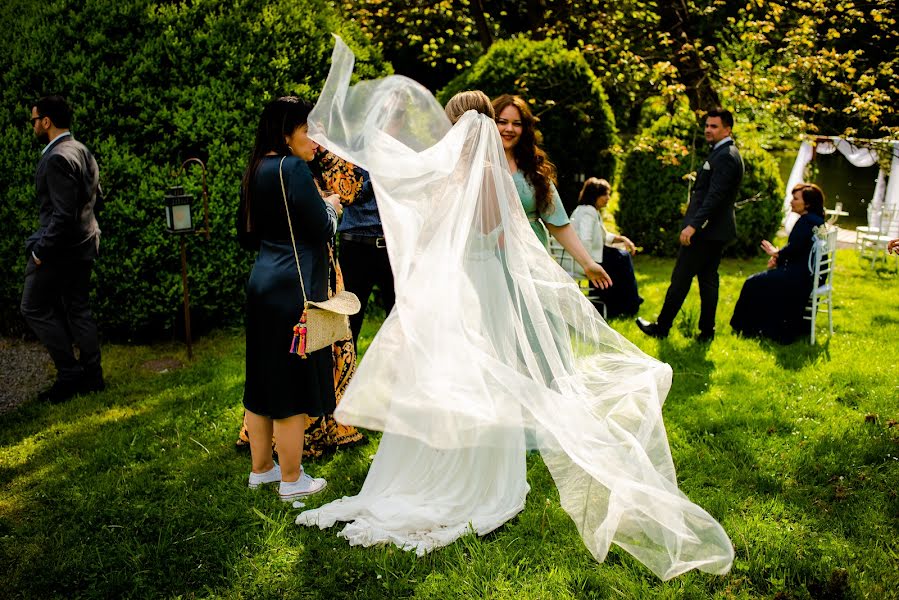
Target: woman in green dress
{"x": 535, "y": 175}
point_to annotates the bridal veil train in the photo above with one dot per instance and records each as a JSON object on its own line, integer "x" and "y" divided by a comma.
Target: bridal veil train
{"x": 490, "y": 348}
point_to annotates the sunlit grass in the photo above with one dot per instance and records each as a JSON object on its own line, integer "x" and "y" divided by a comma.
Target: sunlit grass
{"x": 138, "y": 491}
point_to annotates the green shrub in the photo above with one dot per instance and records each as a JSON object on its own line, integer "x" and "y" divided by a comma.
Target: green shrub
{"x": 653, "y": 192}
{"x": 652, "y": 197}
{"x": 576, "y": 121}
{"x": 760, "y": 208}
{"x": 153, "y": 84}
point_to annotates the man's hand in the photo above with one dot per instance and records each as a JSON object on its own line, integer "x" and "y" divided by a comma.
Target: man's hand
{"x": 686, "y": 235}
{"x": 893, "y": 246}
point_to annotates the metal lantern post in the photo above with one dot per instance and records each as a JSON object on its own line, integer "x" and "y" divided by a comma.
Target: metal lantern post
{"x": 179, "y": 221}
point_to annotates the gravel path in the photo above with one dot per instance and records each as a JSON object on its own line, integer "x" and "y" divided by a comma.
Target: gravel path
{"x": 25, "y": 370}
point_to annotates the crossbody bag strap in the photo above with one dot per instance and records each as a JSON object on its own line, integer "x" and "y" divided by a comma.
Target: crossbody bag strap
{"x": 293, "y": 242}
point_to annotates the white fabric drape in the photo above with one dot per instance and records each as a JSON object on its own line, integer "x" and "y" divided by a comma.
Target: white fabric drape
{"x": 490, "y": 344}
{"x": 797, "y": 175}
{"x": 859, "y": 157}
{"x": 891, "y": 195}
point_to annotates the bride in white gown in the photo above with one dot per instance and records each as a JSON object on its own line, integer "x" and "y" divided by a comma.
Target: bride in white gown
{"x": 489, "y": 341}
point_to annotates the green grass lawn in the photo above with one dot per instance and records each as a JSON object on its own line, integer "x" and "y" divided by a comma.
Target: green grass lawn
{"x": 139, "y": 492}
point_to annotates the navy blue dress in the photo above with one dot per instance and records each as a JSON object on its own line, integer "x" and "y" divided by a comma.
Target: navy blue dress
{"x": 280, "y": 384}
{"x": 772, "y": 303}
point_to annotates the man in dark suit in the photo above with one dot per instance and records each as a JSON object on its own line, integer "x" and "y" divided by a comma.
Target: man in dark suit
{"x": 61, "y": 253}
{"x": 707, "y": 227}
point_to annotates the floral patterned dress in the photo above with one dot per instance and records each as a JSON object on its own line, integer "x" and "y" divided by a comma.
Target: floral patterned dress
{"x": 325, "y": 433}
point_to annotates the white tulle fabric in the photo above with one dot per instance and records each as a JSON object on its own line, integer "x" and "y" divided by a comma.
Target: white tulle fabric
{"x": 490, "y": 348}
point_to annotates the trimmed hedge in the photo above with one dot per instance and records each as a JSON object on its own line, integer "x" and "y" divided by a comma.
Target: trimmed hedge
{"x": 577, "y": 124}
{"x": 152, "y": 84}
{"x": 653, "y": 192}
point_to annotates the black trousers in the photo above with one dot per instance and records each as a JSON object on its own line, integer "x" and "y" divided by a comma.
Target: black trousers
{"x": 700, "y": 259}
{"x": 56, "y": 305}
{"x": 622, "y": 298}
{"x": 364, "y": 266}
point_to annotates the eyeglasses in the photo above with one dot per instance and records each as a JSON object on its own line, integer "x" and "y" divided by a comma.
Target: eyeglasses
{"x": 33, "y": 119}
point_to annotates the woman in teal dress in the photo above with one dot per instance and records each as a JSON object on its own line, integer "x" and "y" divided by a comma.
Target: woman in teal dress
{"x": 535, "y": 177}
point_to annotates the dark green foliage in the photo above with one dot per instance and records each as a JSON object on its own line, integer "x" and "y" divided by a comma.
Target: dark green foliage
{"x": 760, "y": 204}
{"x": 578, "y": 127}
{"x": 652, "y": 198}
{"x": 153, "y": 84}
{"x": 653, "y": 193}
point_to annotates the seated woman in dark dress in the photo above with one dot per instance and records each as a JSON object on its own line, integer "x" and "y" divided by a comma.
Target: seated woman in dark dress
{"x": 621, "y": 299}
{"x": 772, "y": 303}
{"x": 283, "y": 390}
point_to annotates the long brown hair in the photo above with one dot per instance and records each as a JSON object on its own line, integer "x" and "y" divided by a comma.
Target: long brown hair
{"x": 530, "y": 158}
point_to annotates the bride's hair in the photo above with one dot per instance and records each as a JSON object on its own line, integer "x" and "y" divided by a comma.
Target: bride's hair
{"x": 466, "y": 101}
{"x": 279, "y": 119}
{"x": 530, "y": 158}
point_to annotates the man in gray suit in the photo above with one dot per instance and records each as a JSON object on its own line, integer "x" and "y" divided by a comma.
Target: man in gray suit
{"x": 707, "y": 227}
{"x": 61, "y": 253}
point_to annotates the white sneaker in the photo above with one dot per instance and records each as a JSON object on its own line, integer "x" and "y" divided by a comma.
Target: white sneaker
{"x": 304, "y": 486}
{"x": 273, "y": 475}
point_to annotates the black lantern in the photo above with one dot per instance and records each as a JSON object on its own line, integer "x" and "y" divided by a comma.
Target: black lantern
{"x": 179, "y": 221}
{"x": 177, "y": 211}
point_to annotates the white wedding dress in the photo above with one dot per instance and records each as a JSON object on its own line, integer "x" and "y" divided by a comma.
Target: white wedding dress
{"x": 489, "y": 348}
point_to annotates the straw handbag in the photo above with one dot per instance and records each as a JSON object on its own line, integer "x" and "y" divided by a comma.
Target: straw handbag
{"x": 321, "y": 323}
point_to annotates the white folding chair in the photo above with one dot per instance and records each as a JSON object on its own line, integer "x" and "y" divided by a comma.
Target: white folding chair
{"x": 821, "y": 263}
{"x": 872, "y": 240}
{"x": 870, "y": 228}
{"x": 567, "y": 262}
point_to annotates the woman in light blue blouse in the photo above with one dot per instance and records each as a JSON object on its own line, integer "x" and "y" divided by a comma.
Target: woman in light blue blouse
{"x": 534, "y": 177}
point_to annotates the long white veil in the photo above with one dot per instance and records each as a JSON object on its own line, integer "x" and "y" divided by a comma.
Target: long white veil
{"x": 489, "y": 337}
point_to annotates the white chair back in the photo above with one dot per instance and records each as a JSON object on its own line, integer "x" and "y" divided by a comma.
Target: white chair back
{"x": 821, "y": 263}
{"x": 567, "y": 262}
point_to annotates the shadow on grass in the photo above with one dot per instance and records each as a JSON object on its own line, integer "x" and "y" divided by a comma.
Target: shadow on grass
{"x": 139, "y": 492}
{"x": 824, "y": 503}
{"x": 884, "y": 320}
{"x": 799, "y": 354}
{"x": 691, "y": 365}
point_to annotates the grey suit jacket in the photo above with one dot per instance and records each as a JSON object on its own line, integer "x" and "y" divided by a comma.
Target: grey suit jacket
{"x": 711, "y": 208}
{"x": 67, "y": 185}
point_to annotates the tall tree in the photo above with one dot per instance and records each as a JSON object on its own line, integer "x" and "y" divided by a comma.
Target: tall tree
{"x": 807, "y": 65}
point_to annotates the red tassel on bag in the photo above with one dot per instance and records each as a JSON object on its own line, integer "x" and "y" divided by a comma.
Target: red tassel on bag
{"x": 298, "y": 344}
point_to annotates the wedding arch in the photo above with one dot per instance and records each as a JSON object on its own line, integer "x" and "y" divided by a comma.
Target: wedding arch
{"x": 860, "y": 153}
